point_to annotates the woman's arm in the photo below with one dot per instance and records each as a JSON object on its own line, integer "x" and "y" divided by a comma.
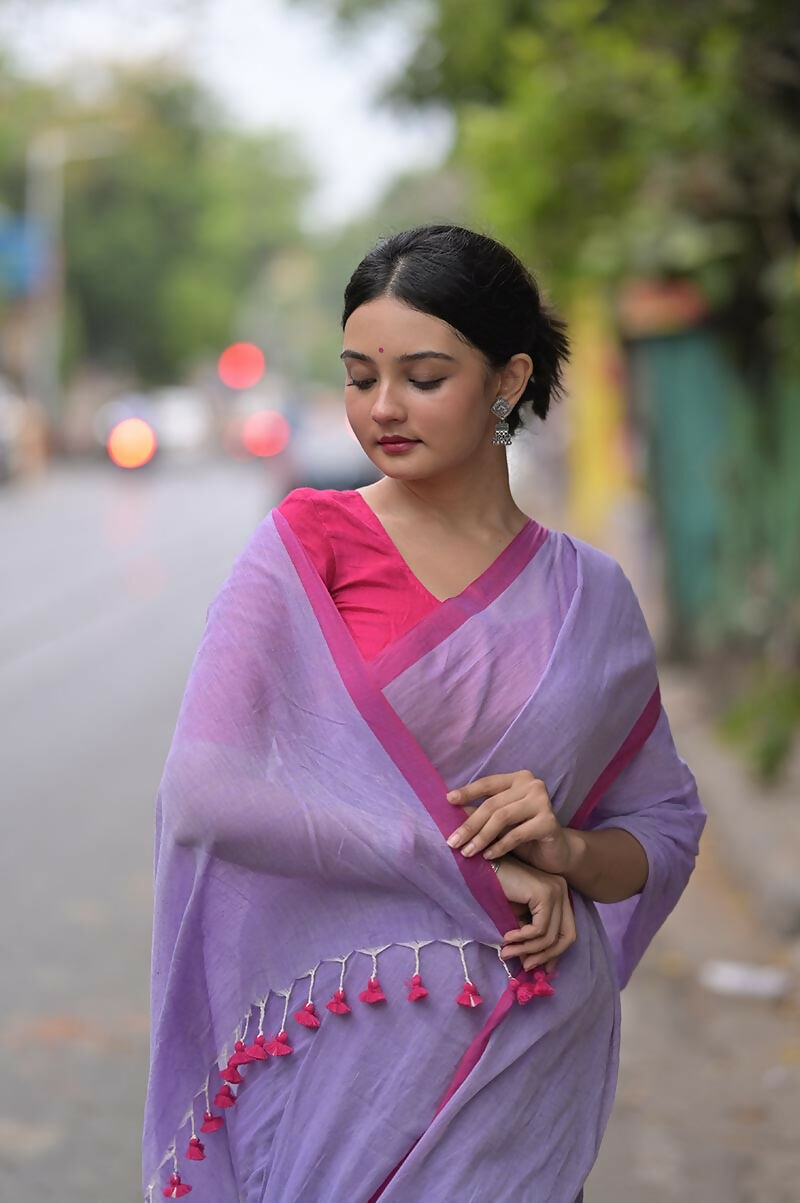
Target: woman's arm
{"x": 606, "y": 866}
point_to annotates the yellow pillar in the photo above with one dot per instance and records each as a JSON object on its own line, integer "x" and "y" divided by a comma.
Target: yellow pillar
{"x": 600, "y": 471}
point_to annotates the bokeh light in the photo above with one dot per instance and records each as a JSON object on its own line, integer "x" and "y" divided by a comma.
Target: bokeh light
{"x": 265, "y": 433}
{"x": 241, "y": 365}
{"x": 132, "y": 443}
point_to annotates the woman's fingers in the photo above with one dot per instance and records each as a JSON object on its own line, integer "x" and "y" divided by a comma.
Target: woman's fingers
{"x": 542, "y": 942}
{"x": 540, "y": 933}
{"x": 566, "y": 937}
{"x": 545, "y": 957}
{"x": 548, "y": 890}
{"x": 537, "y": 941}
{"x": 489, "y": 820}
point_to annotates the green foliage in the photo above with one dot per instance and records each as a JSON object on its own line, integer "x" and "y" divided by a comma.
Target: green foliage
{"x": 168, "y": 227}
{"x": 764, "y": 722}
{"x": 609, "y": 137}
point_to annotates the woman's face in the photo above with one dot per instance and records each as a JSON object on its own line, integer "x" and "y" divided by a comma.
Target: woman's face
{"x": 409, "y": 374}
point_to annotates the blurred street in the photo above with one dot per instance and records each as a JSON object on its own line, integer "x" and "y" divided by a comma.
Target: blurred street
{"x": 107, "y": 581}
{"x": 107, "y": 578}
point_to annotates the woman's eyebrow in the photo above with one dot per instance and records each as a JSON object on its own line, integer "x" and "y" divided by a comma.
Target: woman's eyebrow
{"x": 400, "y": 358}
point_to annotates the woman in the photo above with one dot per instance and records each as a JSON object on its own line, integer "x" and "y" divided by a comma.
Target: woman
{"x": 348, "y": 1003}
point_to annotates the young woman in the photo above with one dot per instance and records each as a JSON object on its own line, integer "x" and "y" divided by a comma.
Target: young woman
{"x": 422, "y": 813}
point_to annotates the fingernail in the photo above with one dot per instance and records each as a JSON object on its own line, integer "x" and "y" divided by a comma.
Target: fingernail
{"x": 468, "y": 849}
{"x": 452, "y": 795}
{"x": 454, "y": 839}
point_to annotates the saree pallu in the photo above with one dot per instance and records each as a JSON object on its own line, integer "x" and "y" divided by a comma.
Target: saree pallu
{"x": 330, "y": 1017}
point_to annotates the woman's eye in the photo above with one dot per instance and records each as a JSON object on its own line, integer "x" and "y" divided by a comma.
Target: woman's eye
{"x": 423, "y": 385}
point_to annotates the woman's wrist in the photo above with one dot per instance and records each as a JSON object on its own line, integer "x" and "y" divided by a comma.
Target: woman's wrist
{"x": 606, "y": 866}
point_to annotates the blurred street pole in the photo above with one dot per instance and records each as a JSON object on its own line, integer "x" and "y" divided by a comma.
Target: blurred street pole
{"x": 48, "y": 153}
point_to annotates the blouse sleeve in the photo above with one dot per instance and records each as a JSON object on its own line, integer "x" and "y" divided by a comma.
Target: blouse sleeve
{"x": 654, "y": 798}
{"x": 303, "y": 513}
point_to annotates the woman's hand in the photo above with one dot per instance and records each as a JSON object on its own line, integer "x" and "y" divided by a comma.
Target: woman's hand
{"x": 517, "y": 811}
{"x": 545, "y": 897}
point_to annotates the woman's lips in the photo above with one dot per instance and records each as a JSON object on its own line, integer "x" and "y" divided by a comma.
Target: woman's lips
{"x": 396, "y": 446}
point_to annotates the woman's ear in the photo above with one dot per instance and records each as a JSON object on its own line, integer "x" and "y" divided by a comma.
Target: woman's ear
{"x": 515, "y": 376}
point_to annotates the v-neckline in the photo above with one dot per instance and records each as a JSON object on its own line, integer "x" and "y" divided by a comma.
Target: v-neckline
{"x": 474, "y": 586}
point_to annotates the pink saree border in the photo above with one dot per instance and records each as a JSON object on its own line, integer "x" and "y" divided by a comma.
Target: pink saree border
{"x": 391, "y": 731}
{"x": 637, "y": 736}
{"x": 454, "y": 611}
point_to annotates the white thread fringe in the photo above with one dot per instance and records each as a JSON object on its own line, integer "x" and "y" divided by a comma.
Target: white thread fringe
{"x": 241, "y": 1028}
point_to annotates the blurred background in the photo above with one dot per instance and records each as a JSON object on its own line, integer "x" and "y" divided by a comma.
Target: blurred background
{"x": 184, "y": 190}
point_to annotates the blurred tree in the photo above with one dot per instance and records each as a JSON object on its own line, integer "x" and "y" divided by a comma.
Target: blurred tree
{"x": 608, "y": 137}
{"x": 163, "y": 234}
{"x": 295, "y": 307}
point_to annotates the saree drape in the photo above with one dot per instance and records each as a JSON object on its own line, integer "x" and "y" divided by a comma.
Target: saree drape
{"x": 330, "y": 1018}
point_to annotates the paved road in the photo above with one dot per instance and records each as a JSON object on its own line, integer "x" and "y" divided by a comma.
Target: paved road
{"x": 106, "y": 582}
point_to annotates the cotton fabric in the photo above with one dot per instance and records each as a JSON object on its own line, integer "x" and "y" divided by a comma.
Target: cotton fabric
{"x": 301, "y": 818}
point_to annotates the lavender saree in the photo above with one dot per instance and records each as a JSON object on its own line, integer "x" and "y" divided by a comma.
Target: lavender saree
{"x": 330, "y": 1018}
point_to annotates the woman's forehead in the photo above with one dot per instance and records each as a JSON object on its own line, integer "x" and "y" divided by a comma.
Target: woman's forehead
{"x": 388, "y": 328}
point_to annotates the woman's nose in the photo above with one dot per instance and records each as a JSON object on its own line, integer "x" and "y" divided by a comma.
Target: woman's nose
{"x": 387, "y": 404}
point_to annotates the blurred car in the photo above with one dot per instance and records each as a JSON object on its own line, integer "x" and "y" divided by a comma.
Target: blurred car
{"x": 325, "y": 454}
{"x": 179, "y": 418}
{"x": 183, "y": 422}
{"x": 23, "y": 434}
{"x": 111, "y": 416}
{"x": 10, "y": 431}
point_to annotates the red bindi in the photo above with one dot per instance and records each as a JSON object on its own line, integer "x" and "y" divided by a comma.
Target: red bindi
{"x": 381, "y": 350}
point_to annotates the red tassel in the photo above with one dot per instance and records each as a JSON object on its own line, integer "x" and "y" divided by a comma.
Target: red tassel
{"x": 176, "y": 1188}
{"x": 417, "y": 989}
{"x": 469, "y": 996}
{"x": 525, "y": 992}
{"x": 196, "y": 1150}
{"x": 211, "y": 1123}
{"x": 542, "y": 986}
{"x": 338, "y": 1004}
{"x": 307, "y": 1015}
{"x": 280, "y": 1046}
{"x": 231, "y": 1074}
{"x": 241, "y": 1056}
{"x": 224, "y": 1097}
{"x": 373, "y": 992}
{"x": 256, "y": 1050}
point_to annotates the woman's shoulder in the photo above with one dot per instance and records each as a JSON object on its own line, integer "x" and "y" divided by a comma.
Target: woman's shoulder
{"x": 311, "y": 514}
{"x": 310, "y": 501}
{"x": 593, "y": 559}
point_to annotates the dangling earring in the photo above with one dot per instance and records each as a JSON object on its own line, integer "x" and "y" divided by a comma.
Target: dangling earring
{"x": 501, "y": 437}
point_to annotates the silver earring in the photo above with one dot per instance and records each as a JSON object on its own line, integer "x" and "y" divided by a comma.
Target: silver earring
{"x": 501, "y": 436}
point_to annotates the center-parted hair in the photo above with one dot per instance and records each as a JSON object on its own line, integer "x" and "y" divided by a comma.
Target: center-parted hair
{"x": 481, "y": 289}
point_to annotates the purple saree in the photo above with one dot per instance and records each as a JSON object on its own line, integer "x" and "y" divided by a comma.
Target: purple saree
{"x": 314, "y": 934}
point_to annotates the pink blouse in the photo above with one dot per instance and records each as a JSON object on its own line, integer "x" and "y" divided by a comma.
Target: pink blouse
{"x": 373, "y": 588}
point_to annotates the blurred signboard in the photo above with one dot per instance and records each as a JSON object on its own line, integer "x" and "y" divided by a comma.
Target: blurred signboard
{"x": 23, "y": 256}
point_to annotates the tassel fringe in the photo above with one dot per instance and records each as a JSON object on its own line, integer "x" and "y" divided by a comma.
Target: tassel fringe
{"x": 261, "y": 1049}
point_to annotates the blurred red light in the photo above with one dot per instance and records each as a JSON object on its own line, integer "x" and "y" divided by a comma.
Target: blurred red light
{"x": 241, "y": 365}
{"x": 132, "y": 443}
{"x": 265, "y": 433}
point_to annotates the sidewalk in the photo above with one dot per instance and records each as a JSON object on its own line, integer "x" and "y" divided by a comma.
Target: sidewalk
{"x": 755, "y": 828}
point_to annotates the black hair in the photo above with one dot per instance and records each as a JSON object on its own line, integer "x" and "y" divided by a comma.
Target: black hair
{"x": 481, "y": 289}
